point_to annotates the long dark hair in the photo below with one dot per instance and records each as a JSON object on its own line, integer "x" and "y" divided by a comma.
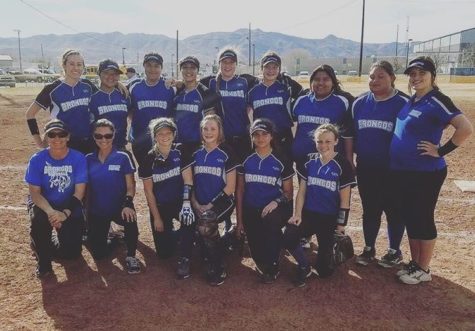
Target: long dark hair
{"x": 387, "y": 67}
{"x": 331, "y": 73}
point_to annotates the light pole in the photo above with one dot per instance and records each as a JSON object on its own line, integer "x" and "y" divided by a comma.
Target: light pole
{"x": 253, "y": 59}
{"x": 361, "y": 43}
{"x": 407, "y": 51}
{"x": 171, "y": 62}
{"x": 123, "y": 56}
{"x": 19, "y": 48}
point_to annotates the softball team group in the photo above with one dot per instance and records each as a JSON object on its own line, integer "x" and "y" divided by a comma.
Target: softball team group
{"x": 206, "y": 148}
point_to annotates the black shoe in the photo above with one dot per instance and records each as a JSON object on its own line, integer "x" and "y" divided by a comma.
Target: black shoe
{"x": 301, "y": 275}
{"x": 43, "y": 272}
{"x": 216, "y": 277}
{"x": 183, "y": 268}
{"x": 271, "y": 274}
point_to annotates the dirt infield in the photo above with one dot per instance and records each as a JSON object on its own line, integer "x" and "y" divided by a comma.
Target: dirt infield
{"x": 84, "y": 294}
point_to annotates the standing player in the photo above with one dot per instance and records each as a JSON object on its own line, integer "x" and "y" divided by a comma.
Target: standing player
{"x": 67, "y": 100}
{"x": 264, "y": 199}
{"x": 214, "y": 176}
{"x": 192, "y": 103}
{"x": 167, "y": 181}
{"x": 322, "y": 204}
{"x": 132, "y": 77}
{"x": 151, "y": 98}
{"x": 110, "y": 194}
{"x": 417, "y": 163}
{"x": 272, "y": 99}
{"x": 374, "y": 116}
{"x": 326, "y": 103}
{"x": 56, "y": 178}
{"x": 109, "y": 103}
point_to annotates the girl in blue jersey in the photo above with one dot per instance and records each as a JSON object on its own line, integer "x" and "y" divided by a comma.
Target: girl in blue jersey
{"x": 417, "y": 164}
{"x": 151, "y": 98}
{"x": 56, "y": 177}
{"x": 68, "y": 100}
{"x": 264, "y": 199}
{"x": 110, "y": 194}
{"x": 233, "y": 90}
{"x": 326, "y": 103}
{"x": 374, "y": 117}
{"x": 272, "y": 99}
{"x": 109, "y": 103}
{"x": 214, "y": 176}
{"x": 322, "y": 204}
{"x": 192, "y": 103}
{"x": 167, "y": 179}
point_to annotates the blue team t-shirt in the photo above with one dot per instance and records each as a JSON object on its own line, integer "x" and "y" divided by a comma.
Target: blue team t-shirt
{"x": 310, "y": 113}
{"x": 57, "y": 178}
{"x": 373, "y": 124}
{"x": 264, "y": 177}
{"x": 149, "y": 102}
{"x": 166, "y": 173}
{"x": 114, "y": 107}
{"x": 69, "y": 104}
{"x": 107, "y": 186}
{"x": 424, "y": 119}
{"x": 233, "y": 102}
{"x": 189, "y": 109}
{"x": 209, "y": 171}
{"x": 324, "y": 182}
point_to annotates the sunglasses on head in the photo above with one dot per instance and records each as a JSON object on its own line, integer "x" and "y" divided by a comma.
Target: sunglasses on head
{"x": 99, "y": 136}
{"x": 59, "y": 134}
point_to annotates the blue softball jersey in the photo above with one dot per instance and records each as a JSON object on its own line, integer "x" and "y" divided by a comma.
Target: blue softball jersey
{"x": 166, "y": 173}
{"x": 189, "y": 109}
{"x": 424, "y": 119}
{"x": 324, "y": 182}
{"x": 310, "y": 113}
{"x": 149, "y": 102}
{"x": 233, "y": 94}
{"x": 107, "y": 186}
{"x": 263, "y": 178}
{"x": 209, "y": 171}
{"x": 114, "y": 107}
{"x": 373, "y": 125}
{"x": 57, "y": 178}
{"x": 69, "y": 104}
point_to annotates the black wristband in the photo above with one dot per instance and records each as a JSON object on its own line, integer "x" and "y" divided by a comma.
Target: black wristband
{"x": 342, "y": 218}
{"x": 187, "y": 189}
{"x": 65, "y": 214}
{"x": 74, "y": 203}
{"x": 448, "y": 147}
{"x": 33, "y": 126}
{"x": 128, "y": 202}
{"x": 281, "y": 200}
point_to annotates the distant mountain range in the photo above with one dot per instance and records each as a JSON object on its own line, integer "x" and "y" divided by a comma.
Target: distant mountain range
{"x": 97, "y": 46}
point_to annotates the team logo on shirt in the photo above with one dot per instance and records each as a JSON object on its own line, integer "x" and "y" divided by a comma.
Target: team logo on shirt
{"x": 58, "y": 176}
{"x": 376, "y": 124}
{"x": 187, "y": 107}
{"x": 268, "y": 101}
{"x": 312, "y": 119}
{"x": 250, "y": 178}
{"x": 114, "y": 167}
{"x": 415, "y": 113}
{"x": 74, "y": 103}
{"x": 328, "y": 184}
{"x": 169, "y": 174}
{"x": 110, "y": 108}
{"x": 237, "y": 94}
{"x": 152, "y": 104}
{"x": 216, "y": 171}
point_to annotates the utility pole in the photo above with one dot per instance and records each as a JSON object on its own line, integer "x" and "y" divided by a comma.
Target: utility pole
{"x": 42, "y": 57}
{"x": 171, "y": 63}
{"x": 253, "y": 59}
{"x": 177, "y": 69}
{"x": 123, "y": 55}
{"x": 362, "y": 38}
{"x": 397, "y": 38}
{"x": 19, "y": 48}
{"x": 249, "y": 44}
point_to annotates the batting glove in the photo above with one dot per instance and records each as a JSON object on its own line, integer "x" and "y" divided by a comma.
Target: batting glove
{"x": 186, "y": 214}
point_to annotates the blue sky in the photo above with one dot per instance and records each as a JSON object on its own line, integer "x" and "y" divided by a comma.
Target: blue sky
{"x": 305, "y": 18}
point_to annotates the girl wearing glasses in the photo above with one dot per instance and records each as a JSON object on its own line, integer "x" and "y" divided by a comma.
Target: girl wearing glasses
{"x": 56, "y": 177}
{"x": 112, "y": 169}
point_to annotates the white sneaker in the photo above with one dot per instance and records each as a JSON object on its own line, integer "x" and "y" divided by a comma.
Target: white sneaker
{"x": 406, "y": 268}
{"x": 416, "y": 276}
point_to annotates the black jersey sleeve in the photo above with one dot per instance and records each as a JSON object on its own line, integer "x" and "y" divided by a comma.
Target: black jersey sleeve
{"x": 91, "y": 84}
{"x": 347, "y": 176}
{"x": 206, "y": 80}
{"x": 288, "y": 169}
{"x": 211, "y": 99}
{"x": 251, "y": 80}
{"x": 346, "y": 128}
{"x": 186, "y": 159}
{"x": 446, "y": 102}
{"x": 294, "y": 87}
{"x": 145, "y": 169}
{"x": 43, "y": 99}
{"x": 302, "y": 167}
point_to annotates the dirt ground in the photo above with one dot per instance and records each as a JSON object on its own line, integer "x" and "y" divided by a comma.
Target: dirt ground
{"x": 84, "y": 294}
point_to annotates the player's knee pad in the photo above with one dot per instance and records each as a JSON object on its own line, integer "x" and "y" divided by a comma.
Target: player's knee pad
{"x": 208, "y": 225}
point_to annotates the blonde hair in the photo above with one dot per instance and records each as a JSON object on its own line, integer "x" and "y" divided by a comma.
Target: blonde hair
{"x": 328, "y": 127}
{"x": 217, "y": 119}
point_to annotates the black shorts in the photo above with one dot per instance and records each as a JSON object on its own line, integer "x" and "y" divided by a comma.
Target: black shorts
{"x": 414, "y": 195}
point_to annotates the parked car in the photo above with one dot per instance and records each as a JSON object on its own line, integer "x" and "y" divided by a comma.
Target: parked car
{"x": 33, "y": 75}
{"x": 303, "y": 77}
{"x": 6, "y": 79}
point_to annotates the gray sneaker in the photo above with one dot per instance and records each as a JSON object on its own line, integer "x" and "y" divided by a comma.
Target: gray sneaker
{"x": 132, "y": 264}
{"x": 416, "y": 276}
{"x": 367, "y": 256}
{"x": 183, "y": 269}
{"x": 390, "y": 259}
{"x": 407, "y": 268}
